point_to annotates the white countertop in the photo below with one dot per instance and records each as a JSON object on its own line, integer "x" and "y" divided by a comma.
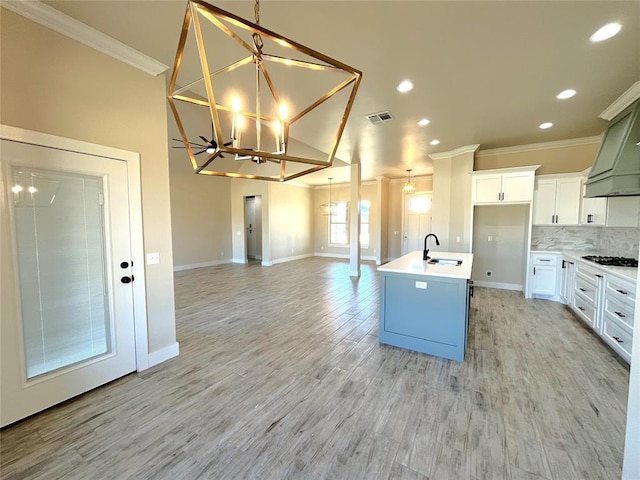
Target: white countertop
{"x": 627, "y": 273}
{"x": 413, "y": 264}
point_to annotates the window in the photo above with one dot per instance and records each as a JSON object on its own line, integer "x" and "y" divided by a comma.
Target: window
{"x": 364, "y": 223}
{"x": 339, "y": 224}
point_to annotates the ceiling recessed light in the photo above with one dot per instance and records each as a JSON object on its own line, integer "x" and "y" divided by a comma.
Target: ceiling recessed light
{"x": 424, "y": 121}
{"x": 606, "y": 32}
{"x": 566, "y": 94}
{"x": 405, "y": 86}
{"x": 434, "y": 142}
{"x": 546, "y": 125}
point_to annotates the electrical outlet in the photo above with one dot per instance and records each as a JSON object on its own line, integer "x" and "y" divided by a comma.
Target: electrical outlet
{"x": 490, "y": 238}
{"x": 457, "y": 239}
{"x": 489, "y": 273}
{"x": 222, "y": 254}
{"x": 153, "y": 258}
{"x": 421, "y": 285}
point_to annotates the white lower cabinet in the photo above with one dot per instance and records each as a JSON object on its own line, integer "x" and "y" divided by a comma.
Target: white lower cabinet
{"x": 586, "y": 295}
{"x": 618, "y": 315}
{"x": 544, "y": 278}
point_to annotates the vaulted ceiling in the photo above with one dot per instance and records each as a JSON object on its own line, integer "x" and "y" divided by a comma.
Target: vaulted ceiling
{"x": 484, "y": 72}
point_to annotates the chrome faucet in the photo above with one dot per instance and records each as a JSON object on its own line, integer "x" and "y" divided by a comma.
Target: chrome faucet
{"x": 425, "y": 253}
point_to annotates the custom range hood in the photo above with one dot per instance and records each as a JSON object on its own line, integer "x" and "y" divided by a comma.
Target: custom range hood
{"x": 616, "y": 170}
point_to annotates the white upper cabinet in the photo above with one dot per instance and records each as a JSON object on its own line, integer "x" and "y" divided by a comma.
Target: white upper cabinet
{"x": 594, "y": 211}
{"x": 623, "y": 211}
{"x": 556, "y": 200}
{"x": 508, "y": 185}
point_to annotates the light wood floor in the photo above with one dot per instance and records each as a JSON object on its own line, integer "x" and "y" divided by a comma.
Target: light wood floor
{"x": 280, "y": 375}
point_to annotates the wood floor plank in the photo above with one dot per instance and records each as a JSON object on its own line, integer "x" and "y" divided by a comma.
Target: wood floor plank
{"x": 279, "y": 377}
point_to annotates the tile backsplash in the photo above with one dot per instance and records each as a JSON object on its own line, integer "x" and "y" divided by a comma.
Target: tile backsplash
{"x": 615, "y": 241}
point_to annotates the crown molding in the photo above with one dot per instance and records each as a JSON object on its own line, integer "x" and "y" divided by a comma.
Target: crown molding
{"x": 72, "y": 28}
{"x": 540, "y": 146}
{"x": 455, "y": 152}
{"x": 622, "y": 102}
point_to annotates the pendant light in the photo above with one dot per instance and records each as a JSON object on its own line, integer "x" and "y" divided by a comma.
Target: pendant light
{"x": 409, "y": 187}
{"x": 329, "y": 208}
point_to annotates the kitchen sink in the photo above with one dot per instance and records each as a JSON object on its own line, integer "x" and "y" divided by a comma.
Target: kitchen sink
{"x": 445, "y": 261}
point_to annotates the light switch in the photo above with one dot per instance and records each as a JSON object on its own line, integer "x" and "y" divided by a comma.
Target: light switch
{"x": 153, "y": 258}
{"x": 422, "y": 285}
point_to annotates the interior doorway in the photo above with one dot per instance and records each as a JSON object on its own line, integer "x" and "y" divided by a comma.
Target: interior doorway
{"x": 416, "y": 221}
{"x": 253, "y": 227}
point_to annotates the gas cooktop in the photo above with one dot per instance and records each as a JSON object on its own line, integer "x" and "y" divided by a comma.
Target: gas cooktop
{"x": 612, "y": 261}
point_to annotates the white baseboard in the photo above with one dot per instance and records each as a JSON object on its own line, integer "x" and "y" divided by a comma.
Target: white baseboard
{"x": 501, "y": 286}
{"x": 345, "y": 256}
{"x": 238, "y": 260}
{"x": 180, "y": 268}
{"x": 290, "y": 259}
{"x": 164, "y": 354}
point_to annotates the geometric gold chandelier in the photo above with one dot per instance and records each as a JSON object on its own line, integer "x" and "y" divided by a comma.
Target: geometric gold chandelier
{"x": 243, "y": 97}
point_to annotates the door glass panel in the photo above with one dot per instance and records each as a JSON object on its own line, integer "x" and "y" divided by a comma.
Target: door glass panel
{"x": 61, "y": 262}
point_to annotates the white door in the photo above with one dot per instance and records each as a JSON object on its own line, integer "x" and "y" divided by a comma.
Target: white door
{"x": 417, "y": 221}
{"x": 67, "y": 298}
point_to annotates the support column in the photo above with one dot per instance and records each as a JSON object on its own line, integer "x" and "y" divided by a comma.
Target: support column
{"x": 354, "y": 221}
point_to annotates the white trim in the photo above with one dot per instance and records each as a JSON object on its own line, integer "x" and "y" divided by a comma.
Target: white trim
{"x": 190, "y": 266}
{"x": 64, "y": 24}
{"x": 498, "y": 285}
{"x": 132, "y": 160}
{"x": 573, "y": 142}
{"x": 526, "y": 168}
{"x": 266, "y": 263}
{"x": 368, "y": 258}
{"x": 290, "y": 259}
{"x": 622, "y": 102}
{"x": 164, "y": 354}
{"x": 345, "y": 184}
{"x": 455, "y": 152}
{"x": 239, "y": 260}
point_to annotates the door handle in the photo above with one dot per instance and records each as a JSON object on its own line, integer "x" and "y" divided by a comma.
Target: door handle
{"x": 126, "y": 279}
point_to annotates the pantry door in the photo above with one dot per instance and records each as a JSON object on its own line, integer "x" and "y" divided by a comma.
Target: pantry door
{"x": 67, "y": 321}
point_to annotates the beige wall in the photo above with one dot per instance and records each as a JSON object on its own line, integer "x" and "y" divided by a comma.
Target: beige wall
{"x": 383, "y": 218}
{"x": 291, "y": 220}
{"x": 505, "y": 255}
{"x": 55, "y": 85}
{"x": 552, "y": 160}
{"x": 342, "y": 193}
{"x": 452, "y": 202}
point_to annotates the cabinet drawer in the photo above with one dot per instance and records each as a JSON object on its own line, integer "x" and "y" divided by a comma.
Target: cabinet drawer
{"x": 541, "y": 259}
{"x": 585, "y": 309}
{"x": 618, "y": 337}
{"x": 587, "y": 287}
{"x": 624, "y": 292}
{"x": 622, "y": 312}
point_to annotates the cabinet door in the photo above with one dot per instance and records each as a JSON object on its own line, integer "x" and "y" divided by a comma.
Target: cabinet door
{"x": 517, "y": 187}
{"x": 594, "y": 211}
{"x": 544, "y": 202}
{"x": 568, "y": 193}
{"x": 487, "y": 188}
{"x": 567, "y": 283}
{"x": 623, "y": 211}
{"x": 544, "y": 281}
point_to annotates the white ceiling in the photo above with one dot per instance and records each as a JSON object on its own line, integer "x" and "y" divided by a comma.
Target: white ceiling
{"x": 485, "y": 72}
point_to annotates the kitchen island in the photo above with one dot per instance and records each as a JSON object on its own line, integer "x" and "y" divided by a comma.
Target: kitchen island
{"x": 424, "y": 306}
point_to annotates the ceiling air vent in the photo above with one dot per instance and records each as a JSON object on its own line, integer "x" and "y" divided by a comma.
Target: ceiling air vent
{"x": 379, "y": 117}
